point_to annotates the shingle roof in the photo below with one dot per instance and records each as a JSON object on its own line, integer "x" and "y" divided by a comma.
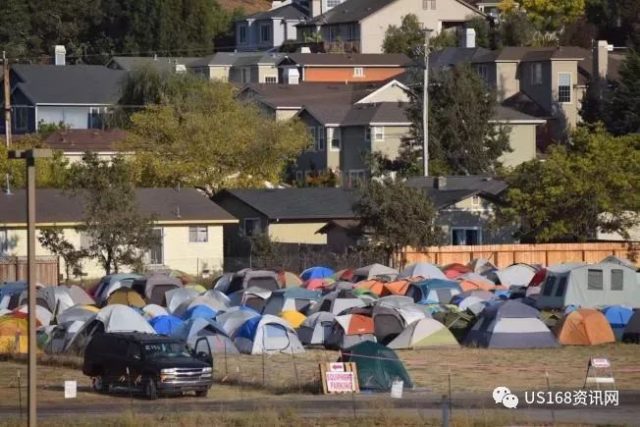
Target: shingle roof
{"x": 504, "y": 113}
{"x": 82, "y": 140}
{"x": 470, "y": 183}
{"x": 350, "y": 59}
{"x": 298, "y": 203}
{"x": 160, "y": 63}
{"x": 69, "y": 84}
{"x": 306, "y": 94}
{"x": 229, "y": 59}
{"x": 452, "y": 56}
{"x": 166, "y": 204}
{"x": 525, "y": 104}
{"x": 290, "y": 11}
{"x": 528, "y": 54}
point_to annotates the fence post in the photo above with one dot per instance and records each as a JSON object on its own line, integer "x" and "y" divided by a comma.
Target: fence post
{"x": 20, "y": 395}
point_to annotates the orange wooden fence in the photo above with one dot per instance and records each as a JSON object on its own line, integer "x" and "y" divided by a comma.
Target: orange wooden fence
{"x": 505, "y": 255}
{"x": 15, "y": 268}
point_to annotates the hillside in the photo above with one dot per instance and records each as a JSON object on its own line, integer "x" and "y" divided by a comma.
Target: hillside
{"x": 249, "y": 6}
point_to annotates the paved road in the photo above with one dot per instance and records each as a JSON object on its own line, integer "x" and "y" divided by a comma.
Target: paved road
{"x": 413, "y": 403}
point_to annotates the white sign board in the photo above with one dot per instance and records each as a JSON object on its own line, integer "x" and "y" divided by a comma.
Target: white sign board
{"x": 600, "y": 363}
{"x": 340, "y": 382}
{"x": 396, "y": 389}
{"x": 70, "y": 389}
{"x": 336, "y": 367}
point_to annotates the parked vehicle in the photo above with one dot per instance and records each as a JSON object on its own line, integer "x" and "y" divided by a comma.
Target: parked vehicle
{"x": 150, "y": 363}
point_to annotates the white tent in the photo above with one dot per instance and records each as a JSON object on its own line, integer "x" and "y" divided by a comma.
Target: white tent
{"x": 516, "y": 275}
{"x": 424, "y": 270}
{"x": 316, "y": 329}
{"x": 424, "y": 333}
{"x": 234, "y": 318}
{"x": 374, "y": 270}
{"x": 177, "y": 296}
{"x": 154, "y": 310}
{"x": 267, "y": 334}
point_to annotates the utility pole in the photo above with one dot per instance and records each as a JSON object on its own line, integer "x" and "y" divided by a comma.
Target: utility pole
{"x": 425, "y": 105}
{"x": 7, "y": 109}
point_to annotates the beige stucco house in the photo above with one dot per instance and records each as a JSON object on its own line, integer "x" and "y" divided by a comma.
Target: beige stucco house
{"x": 239, "y": 67}
{"x": 360, "y": 25}
{"x": 189, "y": 225}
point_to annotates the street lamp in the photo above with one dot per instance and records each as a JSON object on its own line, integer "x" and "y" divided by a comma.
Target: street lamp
{"x": 30, "y": 156}
{"x": 425, "y": 104}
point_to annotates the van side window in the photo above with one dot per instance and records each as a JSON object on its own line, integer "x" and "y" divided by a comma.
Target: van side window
{"x": 547, "y": 291}
{"x": 617, "y": 279}
{"x": 562, "y": 287}
{"x": 595, "y": 280}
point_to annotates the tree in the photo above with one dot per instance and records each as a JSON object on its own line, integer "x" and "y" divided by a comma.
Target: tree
{"x": 588, "y": 186}
{"x": 203, "y": 137}
{"x": 52, "y": 239}
{"x": 483, "y": 31}
{"x": 408, "y": 38}
{"x": 119, "y": 235}
{"x": 553, "y": 15}
{"x": 516, "y": 29}
{"x": 15, "y": 31}
{"x": 623, "y": 110}
{"x": 462, "y": 137}
{"x": 618, "y": 21}
{"x": 394, "y": 216}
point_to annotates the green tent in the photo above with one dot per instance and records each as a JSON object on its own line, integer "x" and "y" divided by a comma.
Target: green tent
{"x": 378, "y": 366}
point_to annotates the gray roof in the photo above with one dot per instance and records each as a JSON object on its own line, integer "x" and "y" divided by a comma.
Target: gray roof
{"x": 359, "y": 114}
{"x": 166, "y": 204}
{"x": 350, "y": 59}
{"x": 69, "y": 84}
{"x": 298, "y": 203}
{"x": 470, "y": 183}
{"x": 451, "y": 56}
{"x": 508, "y": 114}
{"x": 292, "y": 11}
{"x": 526, "y": 105}
{"x": 160, "y": 63}
{"x": 228, "y": 59}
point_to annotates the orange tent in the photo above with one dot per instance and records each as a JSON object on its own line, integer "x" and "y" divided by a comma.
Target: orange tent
{"x": 584, "y": 326}
{"x": 374, "y": 286}
{"x": 455, "y": 270}
{"x": 359, "y": 325}
{"x": 399, "y": 287}
{"x": 474, "y": 285}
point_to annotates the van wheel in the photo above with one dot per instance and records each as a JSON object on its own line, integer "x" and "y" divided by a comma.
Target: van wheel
{"x": 99, "y": 384}
{"x": 150, "y": 389}
{"x": 201, "y": 393}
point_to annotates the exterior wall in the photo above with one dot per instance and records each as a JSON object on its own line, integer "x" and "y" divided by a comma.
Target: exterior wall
{"x": 219, "y": 73}
{"x": 278, "y": 31}
{"x": 541, "y": 93}
{"x": 355, "y": 149}
{"x": 346, "y": 74}
{"x": 265, "y": 71}
{"x": 373, "y": 27}
{"x": 390, "y": 145}
{"x": 312, "y": 159}
{"x": 522, "y": 140}
{"x": 74, "y": 117}
{"x": 235, "y": 244}
{"x": 178, "y": 252}
{"x": 333, "y": 155}
{"x": 285, "y": 114}
{"x": 393, "y": 93}
{"x": 506, "y": 80}
{"x": 339, "y": 240}
{"x": 569, "y": 110}
{"x": 297, "y": 232}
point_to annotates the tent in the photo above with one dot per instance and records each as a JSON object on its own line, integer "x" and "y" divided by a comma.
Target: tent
{"x": 349, "y": 329}
{"x": 455, "y": 270}
{"x": 378, "y": 366}
{"x": 234, "y": 318}
{"x": 584, "y": 326}
{"x": 43, "y": 315}
{"x": 397, "y": 287}
{"x": 10, "y": 294}
{"x": 294, "y": 318}
{"x": 267, "y": 334}
{"x": 336, "y": 302}
{"x": 154, "y": 310}
{"x": 61, "y": 335}
{"x": 318, "y": 284}
{"x": 165, "y": 324}
{"x": 245, "y": 279}
{"x": 481, "y": 266}
{"x": 79, "y": 295}
{"x": 473, "y": 304}
{"x": 77, "y": 313}
{"x": 108, "y": 284}
{"x": 632, "y": 330}
{"x": 424, "y": 333}
{"x": 14, "y": 334}
{"x": 126, "y": 296}
{"x": 177, "y": 296}
{"x": 618, "y": 317}
{"x": 516, "y": 275}
{"x": 422, "y": 269}
{"x": 316, "y": 273}
{"x": 154, "y": 287}
{"x": 374, "y": 286}
{"x": 288, "y": 279}
{"x": 344, "y": 275}
{"x": 193, "y": 330}
{"x": 620, "y": 261}
{"x": 317, "y": 328}
{"x": 474, "y": 281}
{"x": 255, "y": 298}
{"x": 297, "y": 299}
{"x": 374, "y": 270}
{"x": 195, "y": 287}
{"x": 433, "y": 291}
{"x": 589, "y": 286}
{"x": 458, "y": 322}
{"x": 52, "y": 298}
{"x": 203, "y": 311}
{"x": 210, "y": 299}
{"x": 510, "y": 324}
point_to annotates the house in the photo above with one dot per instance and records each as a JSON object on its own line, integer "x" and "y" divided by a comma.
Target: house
{"x": 162, "y": 64}
{"x": 189, "y": 225}
{"x": 360, "y": 25}
{"x": 239, "y": 67}
{"x": 74, "y": 143}
{"x": 268, "y": 30}
{"x": 79, "y": 96}
{"x": 341, "y": 68}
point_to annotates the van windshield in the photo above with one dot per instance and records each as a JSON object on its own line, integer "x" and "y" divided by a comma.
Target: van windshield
{"x": 165, "y": 349}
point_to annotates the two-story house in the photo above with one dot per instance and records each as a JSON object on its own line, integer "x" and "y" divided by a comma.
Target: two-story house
{"x": 78, "y": 96}
{"x": 360, "y": 25}
{"x": 239, "y": 67}
{"x": 270, "y": 29}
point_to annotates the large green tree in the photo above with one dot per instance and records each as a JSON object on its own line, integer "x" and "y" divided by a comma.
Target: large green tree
{"x": 463, "y": 139}
{"x": 623, "y": 110}
{"x": 553, "y": 15}
{"x": 52, "y": 239}
{"x": 589, "y": 185}
{"x": 394, "y": 216}
{"x": 408, "y": 38}
{"x": 200, "y": 135}
{"x": 618, "y": 21}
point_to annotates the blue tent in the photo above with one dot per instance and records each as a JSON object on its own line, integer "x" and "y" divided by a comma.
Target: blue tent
{"x": 433, "y": 291}
{"x": 10, "y": 294}
{"x": 199, "y": 310}
{"x": 618, "y": 316}
{"x": 316, "y": 273}
{"x": 166, "y": 324}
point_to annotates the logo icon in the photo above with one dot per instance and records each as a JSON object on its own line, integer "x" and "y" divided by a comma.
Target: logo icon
{"x": 503, "y": 395}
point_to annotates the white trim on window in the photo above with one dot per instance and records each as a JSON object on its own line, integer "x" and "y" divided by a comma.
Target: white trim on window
{"x": 334, "y": 135}
{"x": 198, "y": 234}
{"x": 478, "y": 236}
{"x": 255, "y": 228}
{"x": 378, "y": 133}
{"x": 565, "y": 88}
{"x": 358, "y": 72}
{"x": 271, "y": 80}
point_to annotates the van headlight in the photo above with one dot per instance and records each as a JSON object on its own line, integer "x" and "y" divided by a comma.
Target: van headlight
{"x": 206, "y": 370}
{"x": 168, "y": 371}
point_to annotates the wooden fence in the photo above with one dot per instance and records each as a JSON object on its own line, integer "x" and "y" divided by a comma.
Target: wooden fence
{"x": 505, "y": 255}
{"x": 15, "y": 268}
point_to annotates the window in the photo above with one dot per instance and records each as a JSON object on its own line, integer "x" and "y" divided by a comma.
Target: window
{"x": 475, "y": 201}
{"x": 564, "y": 87}
{"x": 265, "y": 33}
{"x": 562, "y": 287}
{"x": 271, "y": 80}
{"x": 334, "y": 135}
{"x": 594, "y": 280}
{"x": 334, "y": 33}
{"x": 482, "y": 71}
{"x": 312, "y": 132}
{"x": 320, "y": 138}
{"x": 367, "y": 134}
{"x": 466, "y": 236}
{"x": 156, "y": 253}
{"x": 358, "y": 72}
{"x": 4, "y": 241}
{"x": 85, "y": 240}
{"x": 536, "y": 73}
{"x": 251, "y": 226}
{"x": 433, "y": 4}
{"x": 547, "y": 291}
{"x": 21, "y": 118}
{"x": 95, "y": 118}
{"x": 617, "y": 279}
{"x": 378, "y": 133}
{"x": 429, "y": 4}
{"x": 242, "y": 34}
{"x": 356, "y": 177}
{"x": 333, "y": 3}
{"x": 198, "y": 234}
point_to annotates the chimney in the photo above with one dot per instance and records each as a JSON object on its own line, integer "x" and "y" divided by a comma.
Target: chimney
{"x": 304, "y": 49}
{"x": 60, "y": 54}
{"x": 292, "y": 75}
{"x": 316, "y": 8}
{"x": 601, "y": 59}
{"x": 468, "y": 38}
{"x": 440, "y": 182}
